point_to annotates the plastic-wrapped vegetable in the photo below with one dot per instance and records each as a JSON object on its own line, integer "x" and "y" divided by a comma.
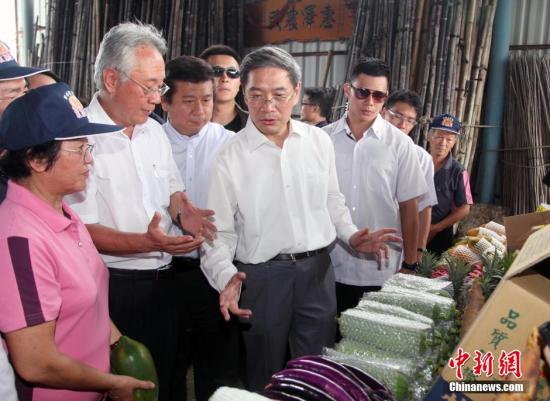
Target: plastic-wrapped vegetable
{"x": 433, "y": 306}
{"x": 378, "y": 307}
{"x": 402, "y": 336}
{"x": 297, "y": 388}
{"x": 397, "y": 374}
{"x": 438, "y": 287}
{"x": 232, "y": 394}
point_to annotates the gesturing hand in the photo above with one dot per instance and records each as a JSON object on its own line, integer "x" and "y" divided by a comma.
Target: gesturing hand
{"x": 195, "y": 220}
{"x": 229, "y": 298}
{"x": 366, "y": 242}
{"x": 174, "y": 245}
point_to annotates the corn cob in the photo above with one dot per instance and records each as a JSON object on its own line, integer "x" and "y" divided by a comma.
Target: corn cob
{"x": 377, "y": 307}
{"x": 433, "y": 306}
{"x": 438, "y": 287}
{"x": 402, "y": 336}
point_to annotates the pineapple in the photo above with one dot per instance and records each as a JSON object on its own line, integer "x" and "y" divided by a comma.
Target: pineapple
{"x": 427, "y": 264}
{"x": 458, "y": 270}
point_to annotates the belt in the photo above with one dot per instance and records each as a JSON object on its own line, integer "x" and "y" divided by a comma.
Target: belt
{"x": 297, "y": 256}
{"x": 148, "y": 274}
{"x": 184, "y": 263}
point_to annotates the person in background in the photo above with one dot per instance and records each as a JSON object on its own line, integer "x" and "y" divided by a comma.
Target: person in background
{"x": 402, "y": 109}
{"x": 134, "y": 194}
{"x": 278, "y": 208}
{"x": 452, "y": 183}
{"x": 380, "y": 176}
{"x": 210, "y": 343}
{"x": 225, "y": 63}
{"x": 316, "y": 106}
{"x": 53, "y": 304}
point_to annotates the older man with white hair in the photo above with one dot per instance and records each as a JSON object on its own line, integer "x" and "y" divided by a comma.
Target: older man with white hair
{"x": 133, "y": 195}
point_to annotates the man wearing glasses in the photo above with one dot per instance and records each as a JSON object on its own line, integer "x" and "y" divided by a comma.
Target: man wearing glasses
{"x": 402, "y": 109}
{"x": 381, "y": 178}
{"x": 451, "y": 182}
{"x": 225, "y": 64}
{"x": 278, "y": 208}
{"x": 316, "y": 106}
{"x": 134, "y": 193}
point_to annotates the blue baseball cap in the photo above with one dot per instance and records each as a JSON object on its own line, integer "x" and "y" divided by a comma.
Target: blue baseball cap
{"x": 446, "y": 122}
{"x": 48, "y": 113}
{"x": 9, "y": 69}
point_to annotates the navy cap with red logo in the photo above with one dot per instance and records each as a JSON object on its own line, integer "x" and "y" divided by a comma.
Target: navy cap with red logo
{"x": 48, "y": 113}
{"x": 446, "y": 122}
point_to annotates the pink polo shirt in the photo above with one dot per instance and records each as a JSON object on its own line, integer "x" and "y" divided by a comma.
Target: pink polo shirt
{"x": 51, "y": 270}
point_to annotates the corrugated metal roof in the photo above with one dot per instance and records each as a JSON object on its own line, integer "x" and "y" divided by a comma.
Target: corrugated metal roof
{"x": 531, "y": 25}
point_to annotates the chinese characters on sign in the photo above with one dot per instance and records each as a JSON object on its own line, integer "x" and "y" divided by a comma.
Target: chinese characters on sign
{"x": 278, "y": 21}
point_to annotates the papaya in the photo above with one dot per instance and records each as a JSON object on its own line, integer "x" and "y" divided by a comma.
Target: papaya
{"x": 132, "y": 358}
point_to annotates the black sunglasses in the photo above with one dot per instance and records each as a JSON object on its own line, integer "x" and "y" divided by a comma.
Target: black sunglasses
{"x": 231, "y": 72}
{"x": 362, "y": 94}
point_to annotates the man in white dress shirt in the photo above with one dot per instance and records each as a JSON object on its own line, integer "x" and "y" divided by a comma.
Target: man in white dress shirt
{"x": 133, "y": 194}
{"x": 380, "y": 176}
{"x": 209, "y": 342}
{"x": 278, "y": 207}
{"x": 402, "y": 109}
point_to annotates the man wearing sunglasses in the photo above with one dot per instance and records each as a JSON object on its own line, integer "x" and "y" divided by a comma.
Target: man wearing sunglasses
{"x": 380, "y": 176}
{"x": 402, "y": 109}
{"x": 225, "y": 64}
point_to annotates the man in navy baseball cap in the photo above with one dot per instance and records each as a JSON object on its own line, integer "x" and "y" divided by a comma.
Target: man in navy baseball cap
{"x": 13, "y": 77}
{"x": 48, "y": 113}
{"x": 452, "y": 183}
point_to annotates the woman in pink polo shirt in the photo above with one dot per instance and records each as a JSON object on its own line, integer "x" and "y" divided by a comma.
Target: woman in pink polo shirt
{"x": 53, "y": 304}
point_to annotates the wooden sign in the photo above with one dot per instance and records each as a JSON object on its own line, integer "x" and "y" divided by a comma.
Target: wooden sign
{"x": 279, "y": 21}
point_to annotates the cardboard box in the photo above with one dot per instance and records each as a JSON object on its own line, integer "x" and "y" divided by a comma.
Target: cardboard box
{"x": 518, "y": 228}
{"x": 520, "y": 302}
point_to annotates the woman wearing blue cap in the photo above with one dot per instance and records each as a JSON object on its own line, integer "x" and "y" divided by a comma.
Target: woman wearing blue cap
{"x": 53, "y": 304}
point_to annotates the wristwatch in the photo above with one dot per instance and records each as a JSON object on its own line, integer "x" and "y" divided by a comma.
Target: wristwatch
{"x": 409, "y": 266}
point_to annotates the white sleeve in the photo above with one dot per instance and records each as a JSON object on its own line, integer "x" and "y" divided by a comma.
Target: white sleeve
{"x": 336, "y": 202}
{"x": 410, "y": 177}
{"x": 217, "y": 256}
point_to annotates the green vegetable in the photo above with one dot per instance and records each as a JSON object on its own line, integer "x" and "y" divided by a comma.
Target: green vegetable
{"x": 132, "y": 358}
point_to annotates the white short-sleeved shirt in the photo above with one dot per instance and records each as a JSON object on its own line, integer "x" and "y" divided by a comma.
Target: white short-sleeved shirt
{"x": 130, "y": 180}
{"x": 7, "y": 379}
{"x": 375, "y": 174}
{"x": 270, "y": 200}
{"x": 194, "y": 156}
{"x": 428, "y": 198}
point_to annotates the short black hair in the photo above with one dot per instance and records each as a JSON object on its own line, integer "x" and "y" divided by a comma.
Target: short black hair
{"x": 15, "y": 163}
{"x": 186, "y": 69}
{"x": 371, "y": 66}
{"x": 223, "y": 50}
{"x": 405, "y": 96}
{"x": 322, "y": 97}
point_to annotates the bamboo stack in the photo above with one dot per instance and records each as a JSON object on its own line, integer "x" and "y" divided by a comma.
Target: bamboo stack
{"x": 75, "y": 29}
{"x": 525, "y": 155}
{"x": 439, "y": 48}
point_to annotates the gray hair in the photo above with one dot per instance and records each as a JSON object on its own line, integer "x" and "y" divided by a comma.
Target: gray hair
{"x": 117, "y": 47}
{"x": 271, "y": 56}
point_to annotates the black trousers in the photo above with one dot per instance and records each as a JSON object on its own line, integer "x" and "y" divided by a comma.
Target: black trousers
{"x": 293, "y": 308}
{"x": 144, "y": 309}
{"x": 206, "y": 340}
{"x": 441, "y": 242}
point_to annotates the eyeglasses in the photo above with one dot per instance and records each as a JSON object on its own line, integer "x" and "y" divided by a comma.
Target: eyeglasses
{"x": 85, "y": 151}
{"x": 231, "y": 72}
{"x": 308, "y": 104}
{"x": 14, "y": 95}
{"x": 258, "y": 100}
{"x": 411, "y": 121}
{"x": 147, "y": 91}
{"x": 362, "y": 94}
{"x": 443, "y": 138}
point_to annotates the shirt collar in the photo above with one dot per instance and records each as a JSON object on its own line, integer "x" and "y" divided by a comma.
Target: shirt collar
{"x": 449, "y": 162}
{"x": 256, "y": 139}
{"x": 377, "y": 127}
{"x": 174, "y": 133}
{"x": 98, "y": 114}
{"x": 25, "y": 198}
